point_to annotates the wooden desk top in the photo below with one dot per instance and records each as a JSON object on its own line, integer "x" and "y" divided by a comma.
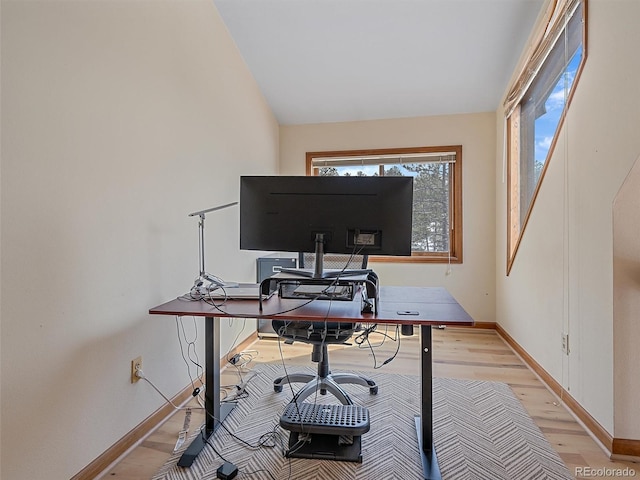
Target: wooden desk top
{"x": 408, "y": 305}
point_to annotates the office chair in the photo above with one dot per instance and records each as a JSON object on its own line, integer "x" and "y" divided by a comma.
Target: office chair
{"x": 321, "y": 334}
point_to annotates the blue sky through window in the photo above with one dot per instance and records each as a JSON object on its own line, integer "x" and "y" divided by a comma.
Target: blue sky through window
{"x": 547, "y": 124}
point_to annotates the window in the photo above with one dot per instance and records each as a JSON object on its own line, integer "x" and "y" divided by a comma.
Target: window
{"x": 437, "y": 195}
{"x": 536, "y": 107}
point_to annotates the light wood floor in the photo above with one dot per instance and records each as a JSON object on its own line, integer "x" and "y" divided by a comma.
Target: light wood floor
{"x": 458, "y": 353}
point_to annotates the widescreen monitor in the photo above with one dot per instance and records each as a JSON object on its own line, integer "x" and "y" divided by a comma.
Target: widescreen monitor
{"x": 347, "y": 215}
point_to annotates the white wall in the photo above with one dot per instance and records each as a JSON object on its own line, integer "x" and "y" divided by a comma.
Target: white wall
{"x": 562, "y": 277}
{"x": 118, "y": 119}
{"x": 472, "y": 282}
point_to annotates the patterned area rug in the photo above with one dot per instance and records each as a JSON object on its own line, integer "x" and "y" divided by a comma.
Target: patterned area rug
{"x": 481, "y": 431}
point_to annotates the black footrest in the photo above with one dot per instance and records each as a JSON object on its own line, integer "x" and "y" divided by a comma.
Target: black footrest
{"x": 325, "y": 419}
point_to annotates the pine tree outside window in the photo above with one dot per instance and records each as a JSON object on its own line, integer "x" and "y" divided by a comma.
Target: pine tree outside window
{"x": 437, "y": 195}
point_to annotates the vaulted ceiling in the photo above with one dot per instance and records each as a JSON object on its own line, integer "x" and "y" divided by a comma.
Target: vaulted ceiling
{"x": 344, "y": 60}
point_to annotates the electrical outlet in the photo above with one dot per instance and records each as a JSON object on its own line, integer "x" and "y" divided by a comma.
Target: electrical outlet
{"x": 136, "y": 364}
{"x": 565, "y": 343}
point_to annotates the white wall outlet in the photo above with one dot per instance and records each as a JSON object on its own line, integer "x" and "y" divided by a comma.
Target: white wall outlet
{"x": 565, "y": 343}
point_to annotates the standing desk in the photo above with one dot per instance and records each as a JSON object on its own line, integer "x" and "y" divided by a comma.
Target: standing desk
{"x": 423, "y": 306}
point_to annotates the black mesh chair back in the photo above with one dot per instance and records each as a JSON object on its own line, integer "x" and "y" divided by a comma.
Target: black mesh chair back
{"x": 333, "y": 261}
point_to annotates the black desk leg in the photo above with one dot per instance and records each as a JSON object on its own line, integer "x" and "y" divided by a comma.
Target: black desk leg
{"x": 214, "y": 411}
{"x": 424, "y": 422}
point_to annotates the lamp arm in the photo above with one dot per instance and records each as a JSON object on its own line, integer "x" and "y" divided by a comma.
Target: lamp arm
{"x": 203, "y": 274}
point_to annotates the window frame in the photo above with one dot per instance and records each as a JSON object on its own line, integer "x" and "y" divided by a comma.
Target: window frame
{"x": 455, "y": 198}
{"x": 553, "y": 29}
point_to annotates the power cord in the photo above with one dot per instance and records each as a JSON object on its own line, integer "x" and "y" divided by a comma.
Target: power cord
{"x": 271, "y": 439}
{"x": 267, "y": 440}
{"x": 196, "y": 391}
{"x": 363, "y": 338}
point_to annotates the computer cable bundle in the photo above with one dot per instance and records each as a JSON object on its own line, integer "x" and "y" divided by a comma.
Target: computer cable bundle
{"x": 363, "y": 338}
{"x": 219, "y": 303}
{"x": 371, "y": 328}
{"x": 270, "y": 439}
{"x": 200, "y": 290}
{"x": 294, "y": 400}
{"x": 240, "y": 362}
{"x": 191, "y": 356}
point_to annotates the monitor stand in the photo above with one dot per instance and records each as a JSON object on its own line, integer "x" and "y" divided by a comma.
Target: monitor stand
{"x": 318, "y": 271}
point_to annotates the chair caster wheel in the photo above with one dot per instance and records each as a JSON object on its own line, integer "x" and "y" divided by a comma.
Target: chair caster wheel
{"x": 373, "y": 390}
{"x": 277, "y": 388}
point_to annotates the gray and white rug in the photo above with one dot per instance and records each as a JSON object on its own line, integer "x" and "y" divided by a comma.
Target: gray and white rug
{"x": 481, "y": 431}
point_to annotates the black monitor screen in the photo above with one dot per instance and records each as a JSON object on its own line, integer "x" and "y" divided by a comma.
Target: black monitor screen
{"x": 368, "y": 215}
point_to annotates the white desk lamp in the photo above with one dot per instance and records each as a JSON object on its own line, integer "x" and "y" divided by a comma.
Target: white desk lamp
{"x": 204, "y": 276}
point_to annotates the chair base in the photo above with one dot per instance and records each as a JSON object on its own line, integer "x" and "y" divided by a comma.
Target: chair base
{"x": 330, "y": 383}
